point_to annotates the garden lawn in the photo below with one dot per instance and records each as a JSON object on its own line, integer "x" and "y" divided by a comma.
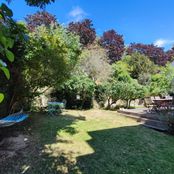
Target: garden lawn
{"x": 93, "y": 142}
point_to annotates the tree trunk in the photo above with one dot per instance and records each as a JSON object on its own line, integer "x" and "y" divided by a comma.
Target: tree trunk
{"x": 109, "y": 104}
{"x": 129, "y": 103}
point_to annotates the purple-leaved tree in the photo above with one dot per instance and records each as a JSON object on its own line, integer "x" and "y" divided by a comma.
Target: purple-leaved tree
{"x": 40, "y": 18}
{"x": 85, "y": 31}
{"x": 114, "y": 44}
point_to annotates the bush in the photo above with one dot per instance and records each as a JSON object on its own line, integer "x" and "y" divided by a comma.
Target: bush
{"x": 121, "y": 72}
{"x": 51, "y": 55}
{"x": 119, "y": 90}
{"x": 79, "y": 85}
{"x": 102, "y": 93}
{"x": 161, "y": 82}
{"x": 132, "y": 91}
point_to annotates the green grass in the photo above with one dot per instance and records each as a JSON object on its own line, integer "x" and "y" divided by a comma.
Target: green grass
{"x": 94, "y": 142}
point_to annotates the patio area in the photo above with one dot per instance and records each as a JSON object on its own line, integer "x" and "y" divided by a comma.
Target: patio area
{"x": 147, "y": 118}
{"x": 140, "y": 112}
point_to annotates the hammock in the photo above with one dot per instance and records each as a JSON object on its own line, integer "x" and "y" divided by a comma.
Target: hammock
{"x": 13, "y": 119}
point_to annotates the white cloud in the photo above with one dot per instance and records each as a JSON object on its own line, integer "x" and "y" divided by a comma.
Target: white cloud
{"x": 77, "y": 14}
{"x": 163, "y": 42}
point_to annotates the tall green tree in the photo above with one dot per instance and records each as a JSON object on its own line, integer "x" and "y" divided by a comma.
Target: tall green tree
{"x": 139, "y": 64}
{"x": 140, "y": 67}
{"x": 121, "y": 71}
{"x": 161, "y": 81}
{"x": 51, "y": 55}
{"x": 94, "y": 62}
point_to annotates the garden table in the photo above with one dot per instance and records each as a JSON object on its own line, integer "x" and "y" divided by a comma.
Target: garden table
{"x": 163, "y": 103}
{"x": 55, "y": 108}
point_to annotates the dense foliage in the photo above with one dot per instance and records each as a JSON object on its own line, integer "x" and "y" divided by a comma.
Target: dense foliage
{"x": 77, "y": 91}
{"x": 156, "y": 54}
{"x": 121, "y": 72}
{"x": 132, "y": 91}
{"x": 37, "y": 3}
{"x": 40, "y": 18}
{"x": 170, "y": 54}
{"x": 120, "y": 90}
{"x": 85, "y": 30}
{"x": 161, "y": 82}
{"x": 12, "y": 46}
{"x": 75, "y": 63}
{"x": 94, "y": 63}
{"x": 139, "y": 64}
{"x": 114, "y": 44}
{"x": 6, "y": 40}
{"x": 51, "y": 55}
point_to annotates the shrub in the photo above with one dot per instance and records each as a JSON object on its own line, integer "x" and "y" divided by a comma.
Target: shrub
{"x": 161, "y": 82}
{"x": 51, "y": 55}
{"x": 77, "y": 85}
{"x": 132, "y": 91}
{"x": 121, "y": 72}
{"x": 102, "y": 93}
{"x": 120, "y": 90}
{"x": 139, "y": 64}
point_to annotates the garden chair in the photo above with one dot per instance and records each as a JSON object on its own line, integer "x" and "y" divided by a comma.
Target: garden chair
{"x": 149, "y": 104}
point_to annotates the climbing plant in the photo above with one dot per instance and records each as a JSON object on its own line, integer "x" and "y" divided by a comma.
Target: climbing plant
{"x": 6, "y": 41}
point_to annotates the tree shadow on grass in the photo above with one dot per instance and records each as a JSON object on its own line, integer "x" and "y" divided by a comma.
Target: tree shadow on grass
{"x": 128, "y": 150}
{"x": 44, "y": 131}
{"x": 131, "y": 150}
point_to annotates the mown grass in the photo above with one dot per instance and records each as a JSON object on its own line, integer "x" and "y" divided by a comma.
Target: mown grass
{"x": 94, "y": 142}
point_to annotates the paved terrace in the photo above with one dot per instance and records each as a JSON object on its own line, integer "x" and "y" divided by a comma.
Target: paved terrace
{"x": 148, "y": 119}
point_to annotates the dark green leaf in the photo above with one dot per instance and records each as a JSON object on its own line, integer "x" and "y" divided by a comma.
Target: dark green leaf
{"x": 9, "y": 55}
{"x": 1, "y": 97}
{"x": 10, "y": 43}
{"x": 6, "y": 72}
{"x": 8, "y": 12}
{"x": 3, "y": 40}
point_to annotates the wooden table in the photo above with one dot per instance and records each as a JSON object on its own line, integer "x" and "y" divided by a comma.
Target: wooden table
{"x": 163, "y": 102}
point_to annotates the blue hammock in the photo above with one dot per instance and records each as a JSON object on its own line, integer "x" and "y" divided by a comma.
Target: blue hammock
{"x": 13, "y": 119}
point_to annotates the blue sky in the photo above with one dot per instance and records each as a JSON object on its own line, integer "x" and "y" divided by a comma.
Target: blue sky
{"x": 145, "y": 21}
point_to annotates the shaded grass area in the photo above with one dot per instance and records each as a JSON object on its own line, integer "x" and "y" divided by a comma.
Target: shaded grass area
{"x": 91, "y": 142}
